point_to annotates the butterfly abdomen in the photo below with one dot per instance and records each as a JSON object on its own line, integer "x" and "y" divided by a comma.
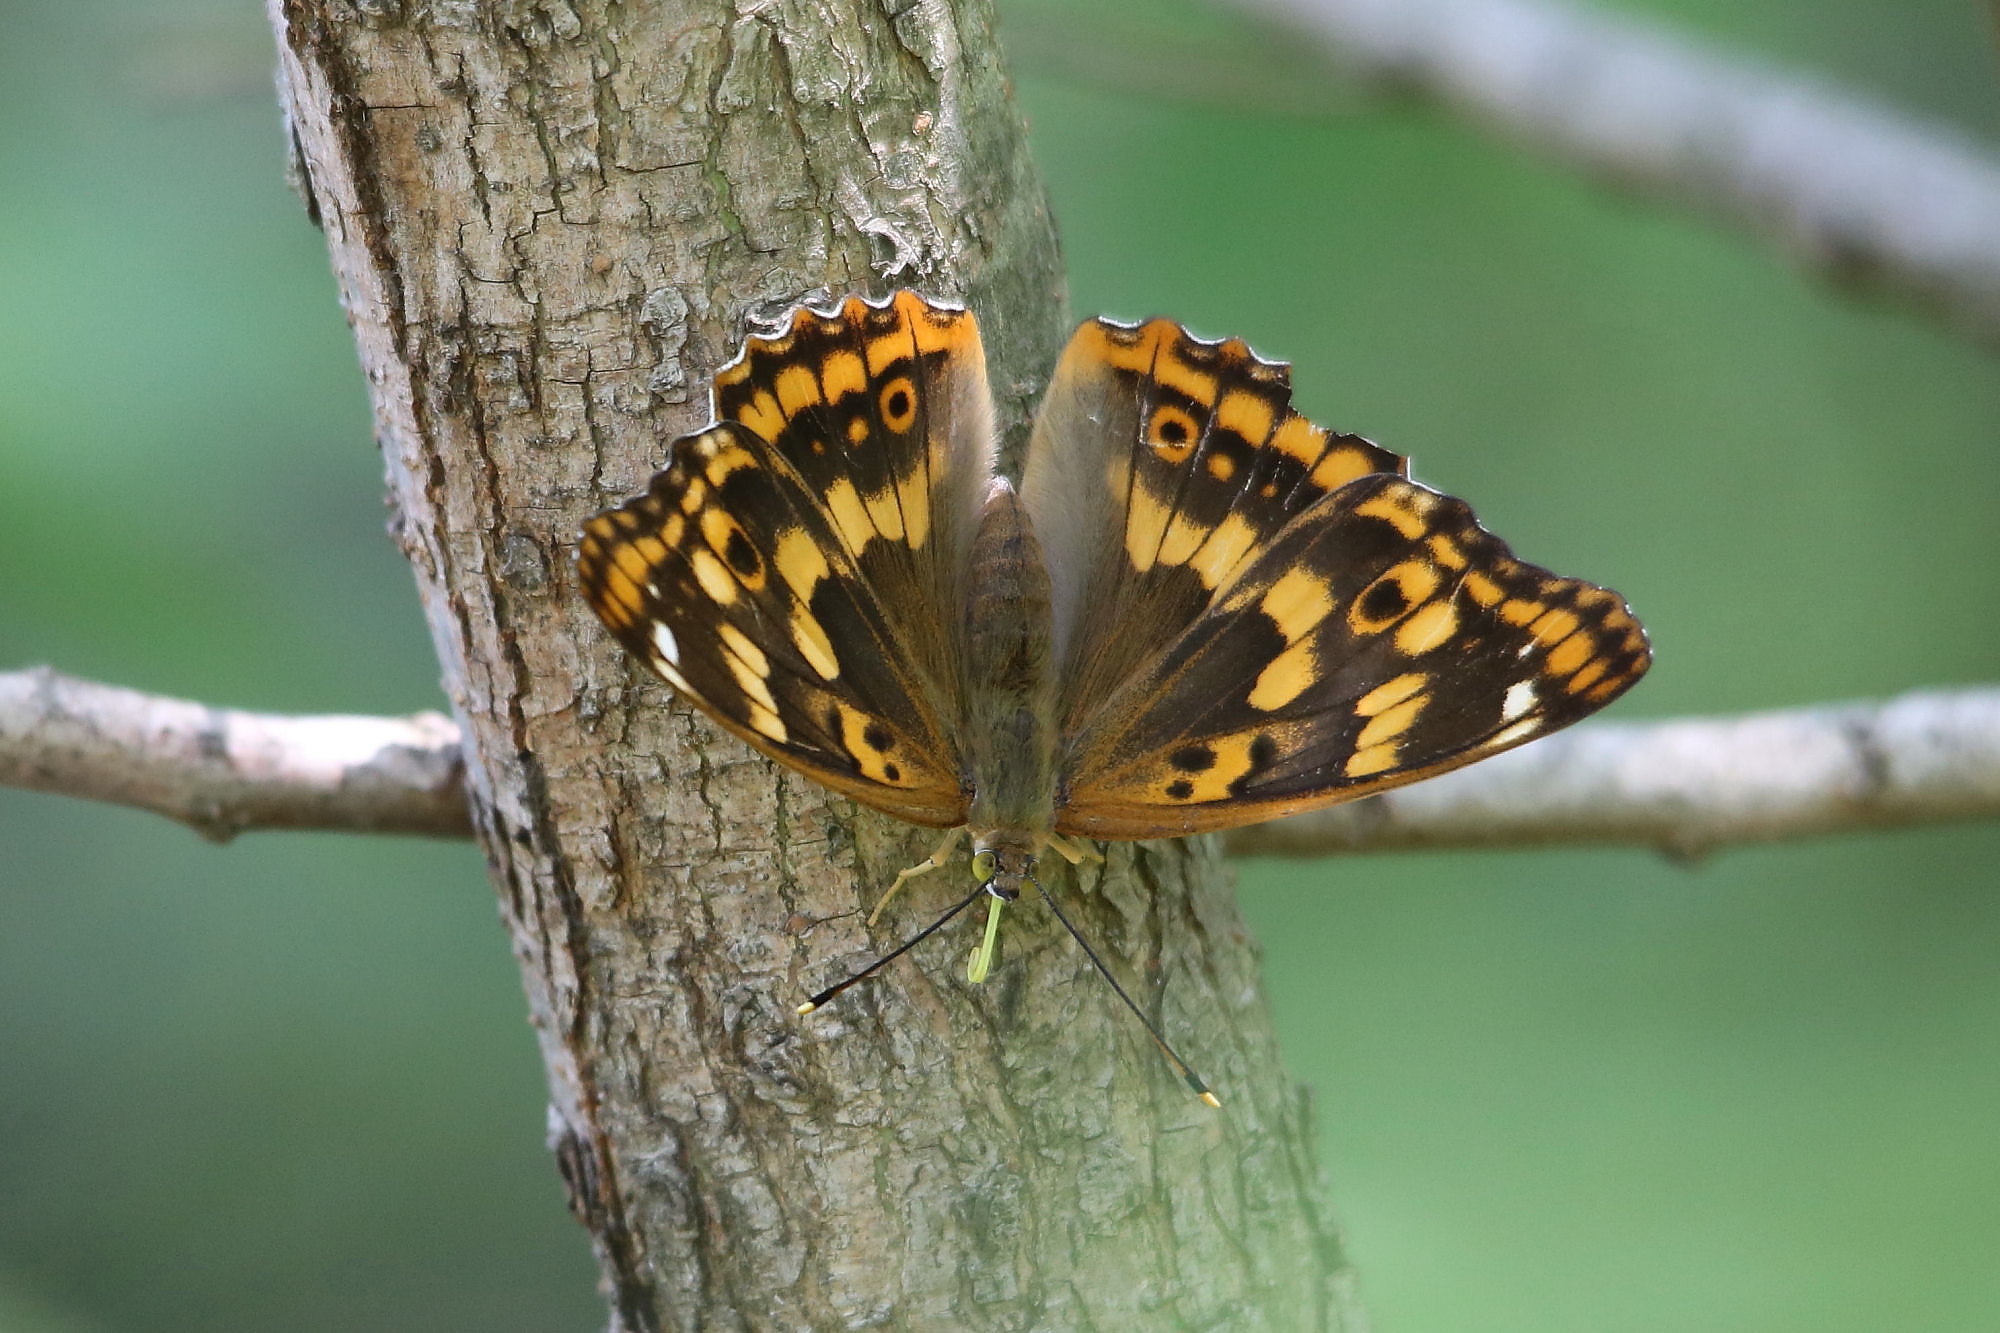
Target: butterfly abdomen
{"x": 1010, "y": 688}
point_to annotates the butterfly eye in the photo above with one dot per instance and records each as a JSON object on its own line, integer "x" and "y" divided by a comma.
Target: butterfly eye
{"x": 985, "y": 865}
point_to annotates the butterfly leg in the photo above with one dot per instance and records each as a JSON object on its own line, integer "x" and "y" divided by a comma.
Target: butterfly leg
{"x": 934, "y": 861}
{"x": 1073, "y": 850}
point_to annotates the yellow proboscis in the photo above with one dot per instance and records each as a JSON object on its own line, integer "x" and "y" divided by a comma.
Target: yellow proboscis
{"x": 982, "y": 957}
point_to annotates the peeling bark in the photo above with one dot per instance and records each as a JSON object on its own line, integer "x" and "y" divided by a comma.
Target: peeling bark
{"x": 550, "y": 222}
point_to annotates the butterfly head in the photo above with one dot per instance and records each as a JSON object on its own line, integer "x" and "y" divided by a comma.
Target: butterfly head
{"x": 1002, "y": 867}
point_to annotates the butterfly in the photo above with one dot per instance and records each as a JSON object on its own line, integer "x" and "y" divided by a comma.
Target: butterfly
{"x": 1195, "y": 609}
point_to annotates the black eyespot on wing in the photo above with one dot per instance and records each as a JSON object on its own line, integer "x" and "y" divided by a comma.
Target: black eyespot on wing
{"x": 1263, "y": 753}
{"x": 1385, "y": 601}
{"x": 1194, "y": 758}
{"x": 743, "y": 557}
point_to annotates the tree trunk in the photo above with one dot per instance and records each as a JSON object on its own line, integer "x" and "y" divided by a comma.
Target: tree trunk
{"x": 550, "y": 222}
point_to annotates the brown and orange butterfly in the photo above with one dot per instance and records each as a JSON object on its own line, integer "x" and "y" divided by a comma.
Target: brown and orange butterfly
{"x": 1195, "y": 609}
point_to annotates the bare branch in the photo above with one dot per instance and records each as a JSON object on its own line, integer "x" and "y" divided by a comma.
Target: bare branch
{"x": 221, "y": 771}
{"x": 1129, "y": 54}
{"x": 1690, "y": 785}
{"x": 1684, "y": 786}
{"x": 1868, "y": 197}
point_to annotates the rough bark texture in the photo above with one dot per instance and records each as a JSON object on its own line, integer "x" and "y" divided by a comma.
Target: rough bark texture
{"x": 550, "y": 221}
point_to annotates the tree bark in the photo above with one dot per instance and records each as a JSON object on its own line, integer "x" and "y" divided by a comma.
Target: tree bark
{"x": 550, "y": 222}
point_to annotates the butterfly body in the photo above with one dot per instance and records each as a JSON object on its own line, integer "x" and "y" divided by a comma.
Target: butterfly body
{"x": 1197, "y": 609}
{"x": 1010, "y": 696}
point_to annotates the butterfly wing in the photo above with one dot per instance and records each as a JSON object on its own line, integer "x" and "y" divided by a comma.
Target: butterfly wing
{"x": 1159, "y": 465}
{"x": 792, "y": 569}
{"x": 885, "y": 414}
{"x": 1382, "y": 637}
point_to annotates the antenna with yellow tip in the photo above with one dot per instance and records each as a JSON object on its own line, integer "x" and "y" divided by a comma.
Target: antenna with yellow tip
{"x": 1192, "y": 1079}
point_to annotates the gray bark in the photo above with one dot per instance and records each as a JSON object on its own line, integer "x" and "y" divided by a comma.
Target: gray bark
{"x": 550, "y": 221}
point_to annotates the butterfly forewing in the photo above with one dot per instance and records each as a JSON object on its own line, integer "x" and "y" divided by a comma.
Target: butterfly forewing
{"x": 1382, "y": 637}
{"x": 1160, "y": 464}
{"x": 885, "y": 414}
{"x": 793, "y": 569}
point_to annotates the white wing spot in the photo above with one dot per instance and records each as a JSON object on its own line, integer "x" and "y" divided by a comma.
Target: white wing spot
{"x": 1520, "y": 698}
{"x": 663, "y": 643}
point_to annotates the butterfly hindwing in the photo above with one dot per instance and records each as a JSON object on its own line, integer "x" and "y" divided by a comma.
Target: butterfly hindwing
{"x": 1384, "y": 636}
{"x": 726, "y": 581}
{"x": 1159, "y": 465}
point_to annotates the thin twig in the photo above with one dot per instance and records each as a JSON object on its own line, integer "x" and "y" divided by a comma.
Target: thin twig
{"x": 1684, "y": 786}
{"x": 221, "y": 771}
{"x": 1687, "y": 786}
{"x": 1866, "y": 196}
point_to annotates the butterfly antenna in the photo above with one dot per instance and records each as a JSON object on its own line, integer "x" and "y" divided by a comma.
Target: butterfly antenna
{"x": 888, "y": 958}
{"x": 1192, "y": 1079}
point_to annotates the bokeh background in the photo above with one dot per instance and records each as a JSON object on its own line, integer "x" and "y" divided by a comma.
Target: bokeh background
{"x": 287, "y": 1083}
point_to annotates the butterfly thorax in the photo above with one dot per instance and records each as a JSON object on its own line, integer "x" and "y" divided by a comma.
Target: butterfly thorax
{"x": 1010, "y": 729}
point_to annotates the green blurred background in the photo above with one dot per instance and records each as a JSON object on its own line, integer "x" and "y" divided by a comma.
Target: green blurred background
{"x": 287, "y": 1084}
